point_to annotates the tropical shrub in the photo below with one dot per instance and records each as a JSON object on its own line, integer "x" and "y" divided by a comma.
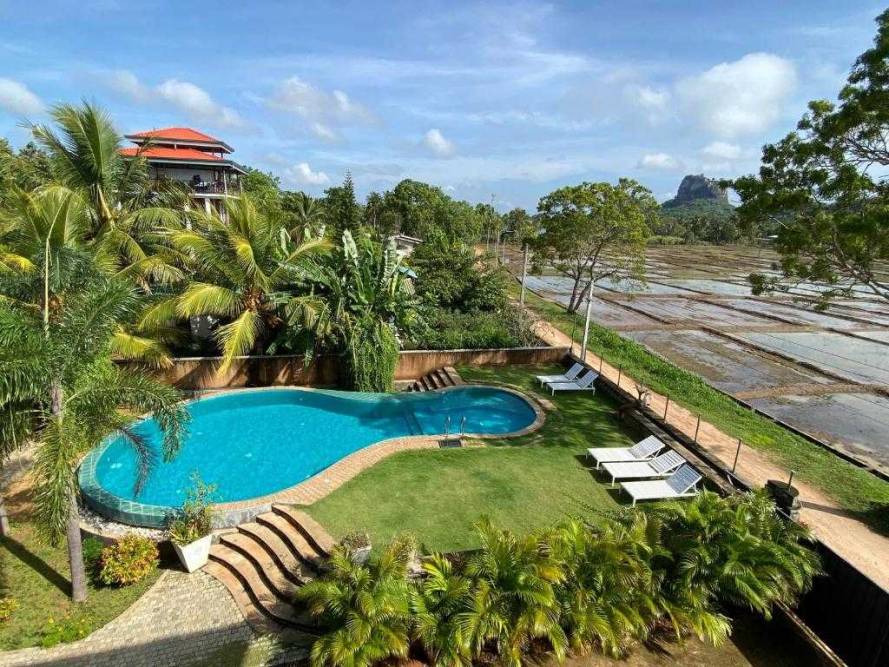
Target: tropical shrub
{"x": 454, "y": 330}
{"x": 678, "y": 567}
{"x": 195, "y": 518}
{"x": 732, "y": 551}
{"x": 7, "y": 608}
{"x": 609, "y": 593}
{"x": 364, "y": 609}
{"x": 68, "y": 629}
{"x": 130, "y": 560}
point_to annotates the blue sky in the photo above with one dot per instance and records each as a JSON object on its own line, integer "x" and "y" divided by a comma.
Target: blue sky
{"x": 510, "y": 100}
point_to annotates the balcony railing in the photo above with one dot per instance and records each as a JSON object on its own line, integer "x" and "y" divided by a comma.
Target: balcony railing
{"x": 217, "y": 188}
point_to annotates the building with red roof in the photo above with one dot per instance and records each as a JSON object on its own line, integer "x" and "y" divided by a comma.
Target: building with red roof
{"x": 193, "y": 158}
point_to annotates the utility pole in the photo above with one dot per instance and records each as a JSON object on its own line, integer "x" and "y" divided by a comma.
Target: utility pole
{"x": 586, "y": 324}
{"x": 524, "y": 273}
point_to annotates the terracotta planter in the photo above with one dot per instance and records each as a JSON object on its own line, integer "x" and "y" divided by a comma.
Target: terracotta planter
{"x": 194, "y": 555}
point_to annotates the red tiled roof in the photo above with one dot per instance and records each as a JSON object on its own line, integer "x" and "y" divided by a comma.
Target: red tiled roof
{"x": 163, "y": 153}
{"x": 179, "y": 133}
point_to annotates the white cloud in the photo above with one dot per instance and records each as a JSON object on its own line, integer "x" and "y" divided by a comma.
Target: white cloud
{"x": 658, "y": 161}
{"x": 435, "y": 141}
{"x": 652, "y": 102}
{"x": 742, "y": 97}
{"x": 323, "y": 111}
{"x": 722, "y": 150}
{"x": 197, "y": 102}
{"x": 16, "y": 98}
{"x": 192, "y": 100}
{"x": 302, "y": 174}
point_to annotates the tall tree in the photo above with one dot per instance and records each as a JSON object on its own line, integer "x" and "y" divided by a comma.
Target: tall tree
{"x": 824, "y": 186}
{"x": 127, "y": 212}
{"x": 56, "y": 361}
{"x": 342, "y": 211}
{"x": 248, "y": 272}
{"x": 595, "y": 231}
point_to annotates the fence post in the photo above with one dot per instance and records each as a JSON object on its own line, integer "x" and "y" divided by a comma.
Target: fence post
{"x": 697, "y": 428}
{"x": 737, "y": 454}
{"x": 600, "y": 365}
{"x": 620, "y": 371}
{"x": 666, "y": 407}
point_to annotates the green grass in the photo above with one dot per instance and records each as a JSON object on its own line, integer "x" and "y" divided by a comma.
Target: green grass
{"x": 855, "y": 489}
{"x": 520, "y": 483}
{"x": 36, "y": 576}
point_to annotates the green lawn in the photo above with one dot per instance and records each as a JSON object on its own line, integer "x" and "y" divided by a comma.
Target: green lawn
{"x": 854, "y": 488}
{"x": 520, "y": 483}
{"x": 36, "y": 576}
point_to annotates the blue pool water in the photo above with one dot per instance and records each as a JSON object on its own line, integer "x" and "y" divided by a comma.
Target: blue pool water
{"x": 253, "y": 443}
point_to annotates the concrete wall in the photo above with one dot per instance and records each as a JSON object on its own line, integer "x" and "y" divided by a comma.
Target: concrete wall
{"x": 196, "y": 373}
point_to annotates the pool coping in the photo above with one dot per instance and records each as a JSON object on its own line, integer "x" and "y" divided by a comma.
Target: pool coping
{"x": 309, "y": 490}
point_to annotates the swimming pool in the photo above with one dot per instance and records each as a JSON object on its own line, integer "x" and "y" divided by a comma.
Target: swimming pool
{"x": 253, "y": 443}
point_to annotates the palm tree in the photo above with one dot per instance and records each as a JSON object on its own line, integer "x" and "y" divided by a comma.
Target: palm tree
{"x": 127, "y": 213}
{"x": 513, "y": 600}
{"x": 57, "y": 376}
{"x": 609, "y": 594}
{"x": 49, "y": 228}
{"x": 307, "y": 213}
{"x": 365, "y": 609}
{"x": 735, "y": 551}
{"x": 247, "y": 272}
{"x": 365, "y": 302}
{"x": 436, "y": 604}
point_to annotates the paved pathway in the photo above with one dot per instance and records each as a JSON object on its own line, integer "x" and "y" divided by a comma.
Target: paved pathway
{"x": 866, "y": 550}
{"x": 181, "y": 620}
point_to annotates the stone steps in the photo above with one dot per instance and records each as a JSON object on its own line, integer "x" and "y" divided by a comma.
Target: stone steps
{"x": 437, "y": 379}
{"x": 264, "y": 562}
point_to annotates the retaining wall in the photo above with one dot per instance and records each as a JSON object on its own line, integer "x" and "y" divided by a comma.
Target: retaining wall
{"x": 202, "y": 373}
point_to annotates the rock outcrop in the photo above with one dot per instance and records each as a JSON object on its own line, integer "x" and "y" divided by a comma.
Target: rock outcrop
{"x": 695, "y": 187}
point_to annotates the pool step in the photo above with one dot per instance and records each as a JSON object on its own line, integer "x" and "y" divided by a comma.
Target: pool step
{"x": 264, "y": 562}
{"x": 437, "y": 379}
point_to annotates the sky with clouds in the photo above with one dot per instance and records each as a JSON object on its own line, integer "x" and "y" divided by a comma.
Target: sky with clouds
{"x": 506, "y": 100}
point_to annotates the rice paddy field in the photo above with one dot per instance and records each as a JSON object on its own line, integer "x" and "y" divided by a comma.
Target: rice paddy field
{"x": 825, "y": 373}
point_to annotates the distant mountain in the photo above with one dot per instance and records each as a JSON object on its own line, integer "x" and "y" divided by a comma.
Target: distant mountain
{"x": 695, "y": 188}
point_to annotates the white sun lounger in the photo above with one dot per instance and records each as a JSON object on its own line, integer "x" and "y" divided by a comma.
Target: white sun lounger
{"x": 641, "y": 451}
{"x": 572, "y": 373}
{"x": 660, "y": 466}
{"x": 584, "y": 383}
{"x": 681, "y": 484}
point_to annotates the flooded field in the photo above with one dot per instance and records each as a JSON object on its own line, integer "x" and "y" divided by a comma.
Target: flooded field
{"x": 823, "y": 372}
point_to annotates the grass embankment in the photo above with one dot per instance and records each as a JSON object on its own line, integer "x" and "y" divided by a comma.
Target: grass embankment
{"x": 35, "y": 574}
{"x": 520, "y": 483}
{"x": 854, "y": 488}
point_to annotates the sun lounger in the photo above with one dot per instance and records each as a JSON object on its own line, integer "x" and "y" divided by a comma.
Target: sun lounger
{"x": 572, "y": 373}
{"x": 584, "y": 383}
{"x": 660, "y": 466}
{"x": 641, "y": 451}
{"x": 681, "y": 484}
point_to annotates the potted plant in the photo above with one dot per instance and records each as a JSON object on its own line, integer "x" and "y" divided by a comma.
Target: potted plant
{"x": 190, "y": 527}
{"x": 358, "y": 545}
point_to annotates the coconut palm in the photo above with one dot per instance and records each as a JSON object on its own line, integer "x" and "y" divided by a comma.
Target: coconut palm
{"x": 364, "y": 609}
{"x": 247, "y": 272}
{"x": 56, "y": 373}
{"x": 513, "y": 600}
{"x": 49, "y": 228}
{"x": 365, "y": 302}
{"x": 735, "y": 551}
{"x": 609, "y": 595}
{"x": 127, "y": 211}
{"x": 436, "y": 604}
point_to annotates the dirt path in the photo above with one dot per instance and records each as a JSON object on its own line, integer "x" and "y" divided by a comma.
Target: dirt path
{"x": 850, "y": 538}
